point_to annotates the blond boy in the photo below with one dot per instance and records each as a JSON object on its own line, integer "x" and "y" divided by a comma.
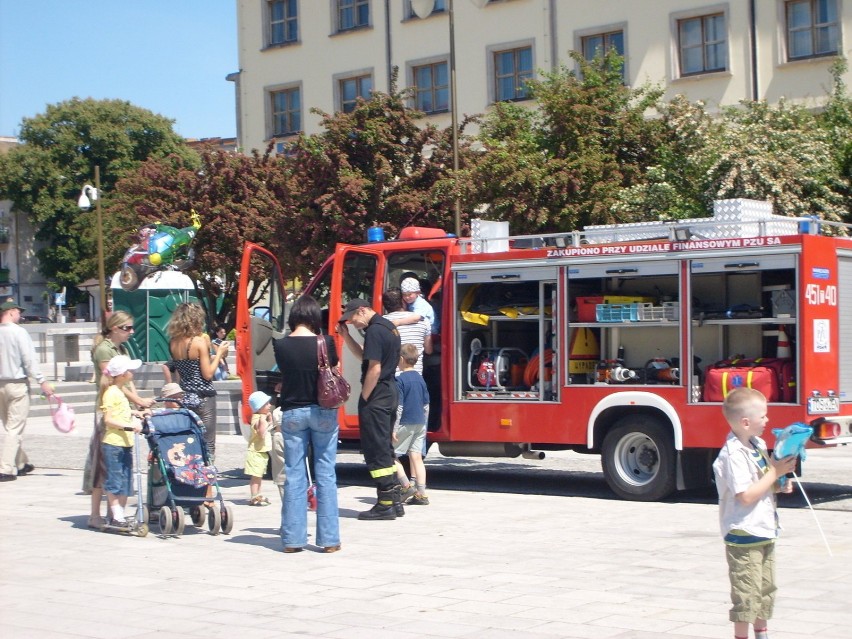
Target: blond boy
{"x": 747, "y": 480}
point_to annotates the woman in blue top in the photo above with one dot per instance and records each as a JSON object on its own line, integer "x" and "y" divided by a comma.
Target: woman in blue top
{"x": 191, "y": 350}
{"x": 304, "y": 423}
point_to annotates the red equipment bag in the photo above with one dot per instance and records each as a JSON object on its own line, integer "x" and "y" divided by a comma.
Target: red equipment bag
{"x": 784, "y": 369}
{"x": 719, "y": 381}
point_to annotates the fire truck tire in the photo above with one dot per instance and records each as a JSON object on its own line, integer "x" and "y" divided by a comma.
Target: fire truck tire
{"x": 638, "y": 459}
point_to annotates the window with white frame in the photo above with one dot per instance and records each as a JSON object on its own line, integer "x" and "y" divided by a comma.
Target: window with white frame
{"x": 813, "y": 28}
{"x": 431, "y": 87}
{"x": 512, "y": 69}
{"x": 286, "y": 111}
{"x": 703, "y": 44}
{"x": 350, "y": 89}
{"x": 597, "y": 44}
{"x": 283, "y": 21}
{"x": 352, "y": 14}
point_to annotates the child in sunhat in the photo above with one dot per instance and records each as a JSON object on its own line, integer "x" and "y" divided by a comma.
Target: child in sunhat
{"x": 172, "y": 395}
{"x": 117, "y": 444}
{"x": 260, "y": 443}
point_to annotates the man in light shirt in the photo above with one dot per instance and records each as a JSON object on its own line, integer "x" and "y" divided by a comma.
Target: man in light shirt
{"x": 17, "y": 363}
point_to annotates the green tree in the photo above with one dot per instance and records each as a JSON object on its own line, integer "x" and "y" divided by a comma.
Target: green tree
{"x": 779, "y": 154}
{"x": 367, "y": 167}
{"x": 239, "y": 198}
{"x": 59, "y": 149}
{"x": 562, "y": 165}
{"x": 836, "y": 121}
{"x": 674, "y": 185}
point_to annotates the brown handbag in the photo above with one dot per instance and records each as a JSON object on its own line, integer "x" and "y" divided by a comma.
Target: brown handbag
{"x": 332, "y": 389}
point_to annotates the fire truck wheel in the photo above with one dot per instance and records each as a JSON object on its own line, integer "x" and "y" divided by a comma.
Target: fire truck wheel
{"x": 638, "y": 459}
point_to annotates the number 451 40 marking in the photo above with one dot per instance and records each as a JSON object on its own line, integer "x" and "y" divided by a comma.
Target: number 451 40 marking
{"x": 818, "y": 295}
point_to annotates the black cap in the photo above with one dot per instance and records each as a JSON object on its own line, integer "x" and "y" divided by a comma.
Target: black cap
{"x": 352, "y": 307}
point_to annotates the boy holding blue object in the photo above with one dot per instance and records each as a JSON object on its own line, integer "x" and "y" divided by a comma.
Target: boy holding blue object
{"x": 747, "y": 479}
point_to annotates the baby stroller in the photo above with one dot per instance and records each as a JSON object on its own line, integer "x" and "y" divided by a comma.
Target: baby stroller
{"x": 180, "y": 474}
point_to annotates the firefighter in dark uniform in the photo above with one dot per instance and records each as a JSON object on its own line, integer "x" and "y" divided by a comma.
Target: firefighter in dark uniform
{"x": 378, "y": 401}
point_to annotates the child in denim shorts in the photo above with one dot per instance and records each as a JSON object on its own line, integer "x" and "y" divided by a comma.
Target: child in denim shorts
{"x": 117, "y": 443}
{"x": 747, "y": 480}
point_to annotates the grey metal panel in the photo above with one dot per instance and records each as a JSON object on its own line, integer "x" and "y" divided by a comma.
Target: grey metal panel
{"x": 844, "y": 303}
{"x": 739, "y": 262}
{"x": 615, "y": 268}
{"x": 506, "y": 274}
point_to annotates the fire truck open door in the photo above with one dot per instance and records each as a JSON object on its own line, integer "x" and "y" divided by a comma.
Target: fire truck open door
{"x": 261, "y": 318}
{"x": 357, "y": 273}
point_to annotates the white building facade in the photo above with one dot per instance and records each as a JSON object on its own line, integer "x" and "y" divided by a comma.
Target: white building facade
{"x": 20, "y": 279}
{"x": 299, "y": 54}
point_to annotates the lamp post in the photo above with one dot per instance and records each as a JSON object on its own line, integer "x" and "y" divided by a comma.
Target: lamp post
{"x": 87, "y": 195}
{"x": 422, "y": 9}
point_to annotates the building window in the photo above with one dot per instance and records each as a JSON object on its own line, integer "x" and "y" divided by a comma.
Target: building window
{"x": 599, "y": 43}
{"x": 703, "y": 44}
{"x": 286, "y": 111}
{"x": 353, "y": 88}
{"x": 512, "y": 69}
{"x": 283, "y": 18}
{"x": 813, "y": 28}
{"x": 432, "y": 87}
{"x": 352, "y": 14}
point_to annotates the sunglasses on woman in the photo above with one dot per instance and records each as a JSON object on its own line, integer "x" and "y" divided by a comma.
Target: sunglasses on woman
{"x": 127, "y": 328}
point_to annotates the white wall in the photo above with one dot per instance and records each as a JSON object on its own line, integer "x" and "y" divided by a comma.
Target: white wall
{"x": 553, "y": 26}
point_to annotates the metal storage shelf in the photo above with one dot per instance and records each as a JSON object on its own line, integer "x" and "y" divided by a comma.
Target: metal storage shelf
{"x": 757, "y": 320}
{"x": 637, "y": 324}
{"x": 695, "y": 322}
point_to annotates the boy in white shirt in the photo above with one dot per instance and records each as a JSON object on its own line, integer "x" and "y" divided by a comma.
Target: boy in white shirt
{"x": 747, "y": 480}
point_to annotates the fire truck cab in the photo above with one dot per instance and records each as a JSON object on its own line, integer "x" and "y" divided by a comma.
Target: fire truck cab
{"x": 620, "y": 340}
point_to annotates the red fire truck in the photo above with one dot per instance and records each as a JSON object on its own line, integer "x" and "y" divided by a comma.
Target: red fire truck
{"x": 620, "y": 340}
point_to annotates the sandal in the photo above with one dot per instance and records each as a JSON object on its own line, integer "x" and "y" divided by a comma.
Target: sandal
{"x": 96, "y": 523}
{"x": 259, "y": 500}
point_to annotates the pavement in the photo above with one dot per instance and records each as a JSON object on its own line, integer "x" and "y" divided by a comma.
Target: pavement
{"x": 473, "y": 564}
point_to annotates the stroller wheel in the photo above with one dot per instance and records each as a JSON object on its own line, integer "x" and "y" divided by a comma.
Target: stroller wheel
{"x": 179, "y": 520}
{"x": 165, "y": 520}
{"x": 227, "y": 519}
{"x": 198, "y": 515}
{"x": 214, "y": 520}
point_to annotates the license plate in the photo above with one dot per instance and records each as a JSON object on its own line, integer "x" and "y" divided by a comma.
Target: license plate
{"x": 821, "y": 405}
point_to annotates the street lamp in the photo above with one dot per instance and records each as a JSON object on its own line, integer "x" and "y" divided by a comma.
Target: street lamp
{"x": 423, "y": 9}
{"x": 87, "y": 196}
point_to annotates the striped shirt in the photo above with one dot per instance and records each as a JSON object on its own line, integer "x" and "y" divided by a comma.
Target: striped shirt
{"x": 412, "y": 334}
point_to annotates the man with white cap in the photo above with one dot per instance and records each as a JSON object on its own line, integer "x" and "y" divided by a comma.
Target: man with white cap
{"x": 415, "y": 302}
{"x": 17, "y": 363}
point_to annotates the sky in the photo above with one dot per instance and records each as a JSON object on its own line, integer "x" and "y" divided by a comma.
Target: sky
{"x": 168, "y": 56}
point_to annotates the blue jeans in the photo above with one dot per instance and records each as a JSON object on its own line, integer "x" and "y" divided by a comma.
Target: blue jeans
{"x": 318, "y": 427}
{"x": 119, "y": 469}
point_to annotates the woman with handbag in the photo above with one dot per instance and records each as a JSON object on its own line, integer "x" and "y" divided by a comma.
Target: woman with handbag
{"x": 305, "y": 423}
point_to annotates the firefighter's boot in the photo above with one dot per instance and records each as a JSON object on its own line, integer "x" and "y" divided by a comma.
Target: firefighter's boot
{"x": 384, "y": 508}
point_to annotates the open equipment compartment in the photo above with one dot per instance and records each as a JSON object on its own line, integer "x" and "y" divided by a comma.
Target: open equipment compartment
{"x": 505, "y": 319}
